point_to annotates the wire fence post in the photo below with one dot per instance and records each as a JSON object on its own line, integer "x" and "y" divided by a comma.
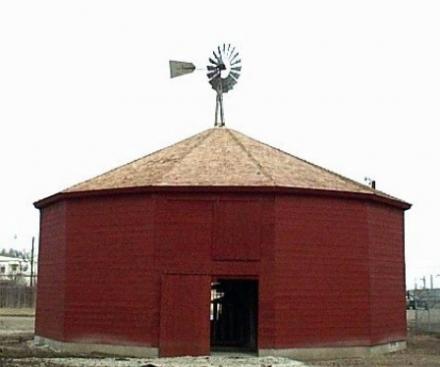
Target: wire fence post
{"x": 429, "y": 321}
{"x": 417, "y": 320}
{"x": 17, "y": 296}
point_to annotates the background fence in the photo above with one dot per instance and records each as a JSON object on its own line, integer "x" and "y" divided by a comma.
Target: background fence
{"x": 17, "y": 296}
{"x": 424, "y": 320}
{"x": 425, "y": 317}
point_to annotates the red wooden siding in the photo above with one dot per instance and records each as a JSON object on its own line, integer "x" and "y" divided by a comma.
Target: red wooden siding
{"x": 318, "y": 260}
{"x": 112, "y": 286}
{"x": 118, "y": 247}
{"x": 387, "y": 277}
{"x": 49, "y": 319}
{"x": 238, "y": 231}
{"x": 184, "y": 315}
{"x": 184, "y": 233}
{"x": 321, "y": 261}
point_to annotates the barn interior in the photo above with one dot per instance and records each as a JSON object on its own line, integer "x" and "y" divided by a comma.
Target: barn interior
{"x": 234, "y": 315}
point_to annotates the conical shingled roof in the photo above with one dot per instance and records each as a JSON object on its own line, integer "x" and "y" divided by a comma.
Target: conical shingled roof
{"x": 222, "y": 157}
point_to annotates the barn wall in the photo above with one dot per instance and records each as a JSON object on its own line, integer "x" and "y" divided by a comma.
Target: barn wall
{"x": 223, "y": 235}
{"x": 321, "y": 260}
{"x": 49, "y": 320}
{"x": 387, "y": 277}
{"x": 111, "y": 285}
{"x": 120, "y": 246}
{"x": 310, "y": 254}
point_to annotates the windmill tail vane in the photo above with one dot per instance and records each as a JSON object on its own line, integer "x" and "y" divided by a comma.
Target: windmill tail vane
{"x": 223, "y": 71}
{"x": 179, "y": 68}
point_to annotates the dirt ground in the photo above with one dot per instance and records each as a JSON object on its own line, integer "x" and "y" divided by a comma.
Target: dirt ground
{"x": 423, "y": 351}
{"x": 17, "y": 350}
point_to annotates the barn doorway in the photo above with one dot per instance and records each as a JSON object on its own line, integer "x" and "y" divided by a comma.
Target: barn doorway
{"x": 234, "y": 315}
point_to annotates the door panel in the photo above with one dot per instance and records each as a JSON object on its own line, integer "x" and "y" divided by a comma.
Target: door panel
{"x": 184, "y": 315}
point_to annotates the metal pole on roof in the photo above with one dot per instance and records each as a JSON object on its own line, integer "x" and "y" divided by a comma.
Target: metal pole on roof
{"x": 370, "y": 182}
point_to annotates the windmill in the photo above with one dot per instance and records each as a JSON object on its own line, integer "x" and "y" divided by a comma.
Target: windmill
{"x": 223, "y": 71}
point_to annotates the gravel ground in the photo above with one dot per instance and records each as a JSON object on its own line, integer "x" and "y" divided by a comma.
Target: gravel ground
{"x": 17, "y": 350}
{"x": 162, "y": 362}
{"x": 423, "y": 351}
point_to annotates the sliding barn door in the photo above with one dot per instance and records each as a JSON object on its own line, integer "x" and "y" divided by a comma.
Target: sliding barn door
{"x": 185, "y": 315}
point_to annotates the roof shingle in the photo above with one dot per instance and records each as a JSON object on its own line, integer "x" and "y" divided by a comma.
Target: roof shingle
{"x": 222, "y": 157}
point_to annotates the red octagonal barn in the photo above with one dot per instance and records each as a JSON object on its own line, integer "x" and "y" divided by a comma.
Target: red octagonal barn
{"x": 221, "y": 242}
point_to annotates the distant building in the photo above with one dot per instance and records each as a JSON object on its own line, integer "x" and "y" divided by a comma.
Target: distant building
{"x": 14, "y": 269}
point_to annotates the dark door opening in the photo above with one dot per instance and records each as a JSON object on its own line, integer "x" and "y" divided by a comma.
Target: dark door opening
{"x": 234, "y": 315}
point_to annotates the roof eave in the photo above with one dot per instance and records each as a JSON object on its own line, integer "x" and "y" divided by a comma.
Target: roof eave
{"x": 212, "y": 189}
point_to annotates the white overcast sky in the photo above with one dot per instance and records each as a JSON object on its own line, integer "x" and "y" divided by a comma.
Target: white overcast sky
{"x": 353, "y": 86}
